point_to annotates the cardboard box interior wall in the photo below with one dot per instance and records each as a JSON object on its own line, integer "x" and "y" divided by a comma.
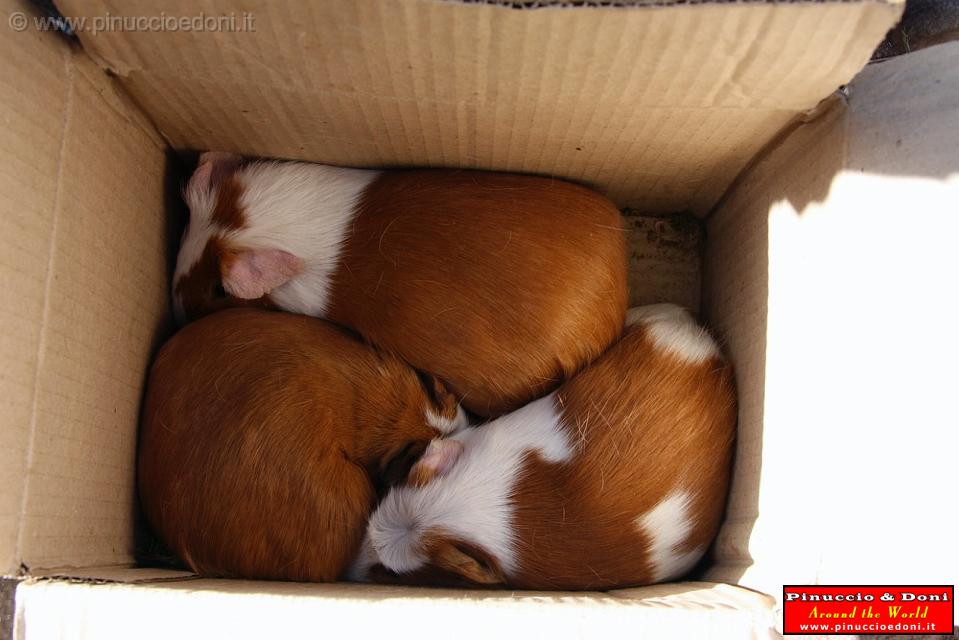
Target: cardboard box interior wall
{"x": 829, "y": 270}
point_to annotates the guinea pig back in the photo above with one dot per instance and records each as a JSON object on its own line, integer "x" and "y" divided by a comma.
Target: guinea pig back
{"x": 501, "y": 285}
{"x": 264, "y": 437}
{"x": 617, "y": 479}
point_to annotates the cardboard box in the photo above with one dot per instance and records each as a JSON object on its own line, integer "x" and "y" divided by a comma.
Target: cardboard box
{"x": 829, "y": 273}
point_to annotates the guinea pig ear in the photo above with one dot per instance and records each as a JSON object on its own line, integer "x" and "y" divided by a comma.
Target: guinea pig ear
{"x": 467, "y": 561}
{"x": 252, "y": 273}
{"x": 447, "y": 416}
{"x": 440, "y": 394}
{"x": 397, "y": 465}
{"x": 437, "y": 460}
{"x": 213, "y": 168}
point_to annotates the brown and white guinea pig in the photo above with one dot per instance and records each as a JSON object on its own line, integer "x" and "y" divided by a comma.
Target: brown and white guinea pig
{"x": 501, "y": 285}
{"x": 266, "y": 437}
{"x": 617, "y": 479}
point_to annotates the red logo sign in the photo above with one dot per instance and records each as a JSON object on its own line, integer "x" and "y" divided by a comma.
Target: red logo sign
{"x": 868, "y": 610}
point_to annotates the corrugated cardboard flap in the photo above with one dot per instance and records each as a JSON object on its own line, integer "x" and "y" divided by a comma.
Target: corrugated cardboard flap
{"x": 831, "y": 272}
{"x": 240, "y": 609}
{"x": 83, "y": 287}
{"x": 658, "y": 106}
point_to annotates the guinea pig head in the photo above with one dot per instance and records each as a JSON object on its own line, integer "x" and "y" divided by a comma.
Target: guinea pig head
{"x": 219, "y": 264}
{"x": 424, "y": 557}
{"x": 410, "y": 439}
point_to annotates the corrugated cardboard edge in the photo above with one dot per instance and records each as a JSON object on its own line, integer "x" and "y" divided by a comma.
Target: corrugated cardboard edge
{"x": 876, "y": 169}
{"x": 902, "y": 167}
{"x": 84, "y": 98}
{"x": 116, "y": 98}
{"x": 634, "y": 4}
{"x": 80, "y": 70}
{"x": 836, "y": 100}
{"x": 8, "y": 589}
{"x": 37, "y": 68}
{"x": 550, "y": 94}
{"x": 119, "y": 574}
{"x": 736, "y": 301}
{"x": 241, "y": 609}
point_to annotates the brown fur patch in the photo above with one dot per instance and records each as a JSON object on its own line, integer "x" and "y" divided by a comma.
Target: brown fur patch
{"x": 264, "y": 438}
{"x": 502, "y": 285}
{"x": 644, "y": 425}
{"x": 462, "y": 558}
{"x": 200, "y": 289}
{"x": 227, "y": 212}
{"x": 453, "y": 562}
{"x": 396, "y": 465}
{"x": 420, "y": 476}
{"x": 445, "y": 403}
{"x": 196, "y": 288}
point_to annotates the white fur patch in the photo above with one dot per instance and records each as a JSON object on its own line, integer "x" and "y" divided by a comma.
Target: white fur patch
{"x": 302, "y": 208}
{"x": 674, "y": 330}
{"x": 447, "y": 426}
{"x": 472, "y": 501}
{"x": 359, "y": 569}
{"x": 667, "y": 526}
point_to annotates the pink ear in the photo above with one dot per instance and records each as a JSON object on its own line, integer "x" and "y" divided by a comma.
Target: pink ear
{"x": 213, "y": 168}
{"x": 437, "y": 460}
{"x": 200, "y": 181}
{"x": 253, "y": 273}
{"x": 218, "y": 157}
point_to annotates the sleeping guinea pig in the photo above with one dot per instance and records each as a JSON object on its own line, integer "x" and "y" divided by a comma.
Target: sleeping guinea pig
{"x": 617, "y": 479}
{"x": 266, "y": 437}
{"x": 501, "y": 285}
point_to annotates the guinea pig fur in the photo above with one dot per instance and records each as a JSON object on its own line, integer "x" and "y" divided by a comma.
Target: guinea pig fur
{"x": 501, "y": 285}
{"x": 617, "y": 479}
{"x": 267, "y": 436}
